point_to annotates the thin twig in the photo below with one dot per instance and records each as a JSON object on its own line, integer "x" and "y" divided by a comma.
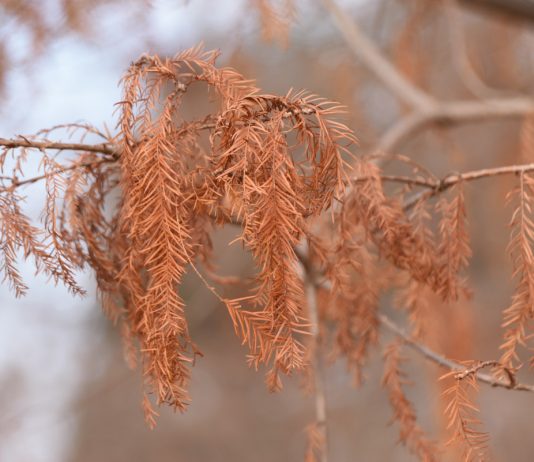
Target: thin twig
{"x": 435, "y": 187}
{"x": 16, "y": 183}
{"x": 451, "y": 180}
{"x": 103, "y": 148}
{"x": 427, "y": 352}
{"x": 510, "y": 384}
{"x": 484, "y": 173}
{"x": 447, "y": 363}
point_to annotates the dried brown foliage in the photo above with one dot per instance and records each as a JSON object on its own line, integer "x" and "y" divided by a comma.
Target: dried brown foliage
{"x": 518, "y": 314}
{"x": 462, "y": 414}
{"x": 403, "y": 412}
{"x": 173, "y": 193}
{"x": 140, "y": 208}
{"x": 454, "y": 247}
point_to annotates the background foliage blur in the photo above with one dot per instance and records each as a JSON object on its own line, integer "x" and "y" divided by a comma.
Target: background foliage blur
{"x": 66, "y": 394}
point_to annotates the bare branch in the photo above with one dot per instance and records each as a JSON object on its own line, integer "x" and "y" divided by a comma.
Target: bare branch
{"x": 394, "y": 136}
{"x": 447, "y": 363}
{"x": 459, "y": 55}
{"x": 451, "y": 180}
{"x": 16, "y": 183}
{"x": 519, "y": 9}
{"x": 103, "y": 148}
{"x": 461, "y": 111}
{"x": 370, "y": 55}
{"x": 436, "y": 186}
{"x": 510, "y": 384}
{"x": 451, "y": 113}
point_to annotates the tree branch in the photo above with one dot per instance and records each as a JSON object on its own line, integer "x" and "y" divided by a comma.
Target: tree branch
{"x": 394, "y": 136}
{"x": 518, "y": 9}
{"x": 424, "y": 350}
{"x": 373, "y": 59}
{"x": 451, "y": 113}
{"x": 103, "y": 148}
{"x": 16, "y": 183}
{"x": 459, "y": 55}
{"x": 436, "y": 187}
{"x": 447, "y": 363}
{"x": 451, "y": 180}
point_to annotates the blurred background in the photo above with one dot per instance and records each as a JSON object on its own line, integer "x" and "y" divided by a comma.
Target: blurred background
{"x": 65, "y": 391}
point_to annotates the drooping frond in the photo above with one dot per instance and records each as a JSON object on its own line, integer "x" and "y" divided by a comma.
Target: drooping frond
{"x": 388, "y": 226}
{"x": 353, "y": 307}
{"x": 16, "y": 233}
{"x": 274, "y": 162}
{"x": 521, "y": 310}
{"x": 411, "y": 435}
{"x": 462, "y": 414}
{"x": 160, "y": 235}
{"x": 274, "y": 187}
{"x": 56, "y": 242}
{"x": 454, "y": 248}
{"x": 56, "y": 248}
{"x": 164, "y": 193}
{"x": 415, "y": 296}
{"x": 416, "y": 299}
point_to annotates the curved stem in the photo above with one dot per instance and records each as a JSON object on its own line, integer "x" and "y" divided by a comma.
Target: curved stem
{"x": 447, "y": 363}
{"x": 373, "y": 59}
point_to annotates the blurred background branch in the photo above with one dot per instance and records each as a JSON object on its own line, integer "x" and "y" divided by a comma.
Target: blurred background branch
{"x": 517, "y": 9}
